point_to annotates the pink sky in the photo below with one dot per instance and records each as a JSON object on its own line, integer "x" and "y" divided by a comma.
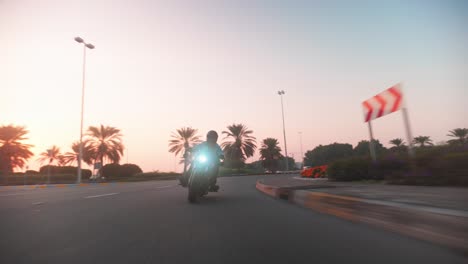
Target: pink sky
{"x": 161, "y": 66}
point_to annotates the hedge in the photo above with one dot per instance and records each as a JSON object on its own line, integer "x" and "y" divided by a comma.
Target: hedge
{"x": 432, "y": 166}
{"x": 114, "y": 170}
{"x": 33, "y": 179}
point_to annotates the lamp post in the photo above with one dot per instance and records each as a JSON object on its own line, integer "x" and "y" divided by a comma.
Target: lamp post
{"x": 302, "y": 153}
{"x": 281, "y": 93}
{"x": 80, "y": 155}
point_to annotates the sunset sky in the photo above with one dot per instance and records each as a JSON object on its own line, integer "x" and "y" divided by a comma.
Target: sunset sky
{"x": 159, "y": 66}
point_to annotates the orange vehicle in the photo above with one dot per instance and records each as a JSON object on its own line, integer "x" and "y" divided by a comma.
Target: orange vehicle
{"x": 314, "y": 172}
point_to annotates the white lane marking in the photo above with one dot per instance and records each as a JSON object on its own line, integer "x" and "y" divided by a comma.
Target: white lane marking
{"x": 165, "y": 186}
{"x": 11, "y": 194}
{"x": 38, "y": 203}
{"x": 100, "y": 195}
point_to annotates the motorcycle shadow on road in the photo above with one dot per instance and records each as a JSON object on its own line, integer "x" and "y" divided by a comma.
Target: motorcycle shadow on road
{"x": 225, "y": 200}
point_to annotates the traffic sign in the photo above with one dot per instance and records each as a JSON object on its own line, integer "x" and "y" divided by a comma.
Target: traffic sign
{"x": 384, "y": 103}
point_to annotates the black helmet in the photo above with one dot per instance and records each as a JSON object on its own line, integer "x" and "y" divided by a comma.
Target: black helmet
{"x": 212, "y": 134}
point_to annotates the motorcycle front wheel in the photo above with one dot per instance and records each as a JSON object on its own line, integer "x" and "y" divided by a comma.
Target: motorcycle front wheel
{"x": 192, "y": 192}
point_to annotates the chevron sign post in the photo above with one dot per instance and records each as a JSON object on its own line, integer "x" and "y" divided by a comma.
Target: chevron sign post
{"x": 384, "y": 103}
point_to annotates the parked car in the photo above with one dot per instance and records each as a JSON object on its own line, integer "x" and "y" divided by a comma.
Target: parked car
{"x": 314, "y": 172}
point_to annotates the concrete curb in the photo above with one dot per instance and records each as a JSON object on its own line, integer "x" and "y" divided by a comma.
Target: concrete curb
{"x": 448, "y": 228}
{"x": 269, "y": 189}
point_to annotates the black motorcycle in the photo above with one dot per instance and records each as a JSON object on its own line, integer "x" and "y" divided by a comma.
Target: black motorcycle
{"x": 200, "y": 175}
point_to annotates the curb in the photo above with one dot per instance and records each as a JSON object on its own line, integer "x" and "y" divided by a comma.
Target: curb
{"x": 273, "y": 191}
{"x": 446, "y": 228}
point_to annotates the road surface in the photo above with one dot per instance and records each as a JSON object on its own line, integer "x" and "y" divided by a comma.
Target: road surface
{"x": 152, "y": 222}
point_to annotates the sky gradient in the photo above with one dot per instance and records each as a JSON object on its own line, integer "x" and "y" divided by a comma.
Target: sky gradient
{"x": 159, "y": 66}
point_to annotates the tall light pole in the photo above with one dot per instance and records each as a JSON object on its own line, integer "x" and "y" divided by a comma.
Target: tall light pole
{"x": 281, "y": 93}
{"x": 80, "y": 156}
{"x": 302, "y": 153}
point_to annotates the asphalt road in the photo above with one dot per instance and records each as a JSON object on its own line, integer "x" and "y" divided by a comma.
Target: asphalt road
{"x": 152, "y": 222}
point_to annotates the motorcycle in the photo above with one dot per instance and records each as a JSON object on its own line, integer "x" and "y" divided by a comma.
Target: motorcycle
{"x": 199, "y": 178}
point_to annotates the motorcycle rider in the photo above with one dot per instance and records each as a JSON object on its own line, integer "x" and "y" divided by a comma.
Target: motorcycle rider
{"x": 214, "y": 152}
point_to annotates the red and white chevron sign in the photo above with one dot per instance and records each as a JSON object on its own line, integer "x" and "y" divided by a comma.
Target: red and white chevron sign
{"x": 384, "y": 103}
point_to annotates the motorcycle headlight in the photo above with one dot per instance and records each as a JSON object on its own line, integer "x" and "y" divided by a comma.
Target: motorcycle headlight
{"x": 202, "y": 159}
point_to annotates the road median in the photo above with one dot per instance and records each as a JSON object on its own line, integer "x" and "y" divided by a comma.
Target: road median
{"x": 444, "y": 226}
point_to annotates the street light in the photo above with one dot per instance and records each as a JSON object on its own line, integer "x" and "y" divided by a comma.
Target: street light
{"x": 302, "y": 153}
{"x": 80, "y": 156}
{"x": 281, "y": 93}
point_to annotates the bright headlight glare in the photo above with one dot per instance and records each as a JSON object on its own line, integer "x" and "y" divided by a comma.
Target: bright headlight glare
{"x": 202, "y": 158}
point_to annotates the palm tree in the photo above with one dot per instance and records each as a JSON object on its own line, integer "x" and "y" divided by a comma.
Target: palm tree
{"x": 71, "y": 157}
{"x": 461, "y": 135}
{"x": 397, "y": 142}
{"x": 105, "y": 142}
{"x": 240, "y": 146}
{"x": 13, "y": 152}
{"x": 423, "y": 141}
{"x": 183, "y": 139}
{"x": 270, "y": 154}
{"x": 51, "y": 155}
{"x": 398, "y": 145}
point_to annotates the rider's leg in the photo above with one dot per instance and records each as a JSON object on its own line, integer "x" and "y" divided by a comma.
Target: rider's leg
{"x": 213, "y": 178}
{"x": 184, "y": 177}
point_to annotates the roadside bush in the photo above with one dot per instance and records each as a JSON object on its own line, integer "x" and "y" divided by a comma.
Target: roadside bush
{"x": 439, "y": 166}
{"x": 223, "y": 171}
{"x": 114, "y": 170}
{"x": 351, "y": 169}
{"x": 457, "y": 168}
{"x": 33, "y": 179}
{"x": 58, "y": 169}
{"x": 156, "y": 175}
{"x": 435, "y": 169}
{"x": 111, "y": 170}
{"x": 62, "y": 170}
{"x": 390, "y": 166}
{"x": 128, "y": 170}
{"x": 86, "y": 174}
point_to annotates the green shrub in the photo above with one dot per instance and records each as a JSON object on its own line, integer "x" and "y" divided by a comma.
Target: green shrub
{"x": 435, "y": 168}
{"x": 62, "y": 170}
{"x": 439, "y": 166}
{"x": 392, "y": 165}
{"x": 111, "y": 170}
{"x": 114, "y": 170}
{"x": 156, "y": 175}
{"x": 223, "y": 171}
{"x": 351, "y": 169}
{"x": 58, "y": 169}
{"x": 456, "y": 165}
{"x": 128, "y": 170}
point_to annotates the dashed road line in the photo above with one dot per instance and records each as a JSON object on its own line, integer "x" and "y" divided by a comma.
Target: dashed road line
{"x": 11, "y": 194}
{"x": 100, "y": 195}
{"x": 165, "y": 186}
